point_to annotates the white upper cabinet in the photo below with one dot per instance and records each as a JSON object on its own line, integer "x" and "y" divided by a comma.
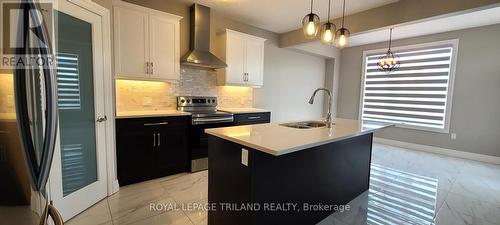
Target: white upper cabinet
{"x": 146, "y": 42}
{"x": 244, "y": 56}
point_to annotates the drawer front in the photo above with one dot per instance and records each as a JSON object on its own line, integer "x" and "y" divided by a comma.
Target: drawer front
{"x": 252, "y": 118}
{"x": 154, "y": 122}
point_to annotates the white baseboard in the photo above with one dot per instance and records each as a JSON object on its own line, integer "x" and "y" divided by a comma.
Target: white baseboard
{"x": 115, "y": 188}
{"x": 438, "y": 150}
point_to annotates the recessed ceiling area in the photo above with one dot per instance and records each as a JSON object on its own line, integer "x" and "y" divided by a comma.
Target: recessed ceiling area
{"x": 281, "y": 16}
{"x": 435, "y": 25}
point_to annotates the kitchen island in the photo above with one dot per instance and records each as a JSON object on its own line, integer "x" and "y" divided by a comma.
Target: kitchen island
{"x": 273, "y": 174}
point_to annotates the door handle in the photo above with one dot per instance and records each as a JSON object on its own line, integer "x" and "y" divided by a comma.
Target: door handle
{"x": 253, "y": 117}
{"x": 159, "y": 139}
{"x": 155, "y": 124}
{"x": 152, "y": 68}
{"x": 147, "y": 67}
{"x": 102, "y": 119}
{"x": 154, "y": 139}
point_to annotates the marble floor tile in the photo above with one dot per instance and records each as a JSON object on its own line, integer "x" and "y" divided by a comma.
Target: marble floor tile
{"x": 487, "y": 211}
{"x": 166, "y": 218}
{"x": 406, "y": 187}
{"x": 197, "y": 217}
{"x": 136, "y": 206}
{"x": 446, "y": 216}
{"x": 98, "y": 214}
{"x": 192, "y": 188}
{"x": 141, "y": 211}
{"x": 477, "y": 187}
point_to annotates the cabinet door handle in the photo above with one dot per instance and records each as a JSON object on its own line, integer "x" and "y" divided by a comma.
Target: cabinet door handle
{"x": 102, "y": 119}
{"x": 152, "y": 68}
{"x": 147, "y": 67}
{"x": 155, "y": 124}
{"x": 154, "y": 140}
{"x": 159, "y": 139}
{"x": 253, "y": 117}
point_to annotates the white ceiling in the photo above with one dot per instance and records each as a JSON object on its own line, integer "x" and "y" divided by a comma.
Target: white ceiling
{"x": 284, "y": 15}
{"x": 435, "y": 25}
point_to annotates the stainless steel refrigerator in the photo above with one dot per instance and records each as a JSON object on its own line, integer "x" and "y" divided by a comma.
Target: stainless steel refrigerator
{"x": 28, "y": 115}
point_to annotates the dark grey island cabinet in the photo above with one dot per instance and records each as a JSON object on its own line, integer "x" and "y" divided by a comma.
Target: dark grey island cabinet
{"x": 149, "y": 148}
{"x": 271, "y": 174}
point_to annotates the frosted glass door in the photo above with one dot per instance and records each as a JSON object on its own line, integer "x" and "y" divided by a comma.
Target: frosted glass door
{"x": 76, "y": 103}
{"x": 79, "y": 177}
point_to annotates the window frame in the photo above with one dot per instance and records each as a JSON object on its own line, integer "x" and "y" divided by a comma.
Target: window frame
{"x": 451, "y": 81}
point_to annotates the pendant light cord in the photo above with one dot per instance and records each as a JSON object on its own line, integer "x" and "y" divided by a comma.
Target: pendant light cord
{"x": 312, "y": 6}
{"x": 329, "y": 1}
{"x": 343, "y": 15}
{"x": 390, "y": 40}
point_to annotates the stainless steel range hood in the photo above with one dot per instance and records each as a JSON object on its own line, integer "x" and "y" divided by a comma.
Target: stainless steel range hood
{"x": 199, "y": 54}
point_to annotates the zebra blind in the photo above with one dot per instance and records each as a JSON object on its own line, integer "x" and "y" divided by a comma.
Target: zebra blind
{"x": 68, "y": 82}
{"x": 415, "y": 95}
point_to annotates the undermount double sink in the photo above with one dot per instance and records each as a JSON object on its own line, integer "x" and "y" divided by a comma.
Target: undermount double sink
{"x": 305, "y": 124}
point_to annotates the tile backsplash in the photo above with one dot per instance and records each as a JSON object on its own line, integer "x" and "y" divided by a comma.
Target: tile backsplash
{"x": 134, "y": 95}
{"x": 7, "y": 104}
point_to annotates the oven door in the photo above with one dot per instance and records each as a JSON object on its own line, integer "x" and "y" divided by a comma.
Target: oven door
{"x": 199, "y": 144}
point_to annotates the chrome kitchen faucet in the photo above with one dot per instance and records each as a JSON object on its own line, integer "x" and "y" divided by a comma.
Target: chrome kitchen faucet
{"x": 328, "y": 119}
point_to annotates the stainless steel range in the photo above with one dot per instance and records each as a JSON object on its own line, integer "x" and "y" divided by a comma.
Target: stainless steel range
{"x": 204, "y": 115}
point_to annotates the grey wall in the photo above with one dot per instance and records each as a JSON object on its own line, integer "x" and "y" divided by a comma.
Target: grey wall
{"x": 476, "y": 99}
{"x": 289, "y": 80}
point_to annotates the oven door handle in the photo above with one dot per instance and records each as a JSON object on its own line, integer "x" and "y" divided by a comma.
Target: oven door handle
{"x": 208, "y": 120}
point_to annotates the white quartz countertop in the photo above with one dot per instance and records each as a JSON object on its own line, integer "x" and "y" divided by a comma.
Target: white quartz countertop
{"x": 276, "y": 139}
{"x": 142, "y": 114}
{"x": 243, "y": 110}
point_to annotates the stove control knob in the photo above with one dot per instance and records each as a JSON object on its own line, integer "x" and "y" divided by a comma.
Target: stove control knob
{"x": 188, "y": 101}
{"x": 182, "y": 101}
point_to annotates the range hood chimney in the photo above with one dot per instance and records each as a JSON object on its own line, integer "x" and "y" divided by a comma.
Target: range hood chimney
{"x": 199, "y": 52}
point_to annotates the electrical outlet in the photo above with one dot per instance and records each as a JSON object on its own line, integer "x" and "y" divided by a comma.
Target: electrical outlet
{"x": 244, "y": 157}
{"x": 147, "y": 101}
{"x": 453, "y": 136}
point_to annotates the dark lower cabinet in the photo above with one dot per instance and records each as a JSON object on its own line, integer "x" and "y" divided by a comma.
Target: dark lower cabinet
{"x": 149, "y": 148}
{"x": 252, "y": 118}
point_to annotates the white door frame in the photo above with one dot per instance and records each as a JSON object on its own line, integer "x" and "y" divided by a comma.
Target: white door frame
{"x": 104, "y": 103}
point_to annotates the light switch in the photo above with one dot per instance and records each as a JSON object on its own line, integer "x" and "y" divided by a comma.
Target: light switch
{"x": 147, "y": 101}
{"x": 453, "y": 136}
{"x": 244, "y": 157}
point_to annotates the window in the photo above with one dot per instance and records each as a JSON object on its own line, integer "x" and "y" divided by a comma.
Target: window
{"x": 417, "y": 95}
{"x": 68, "y": 82}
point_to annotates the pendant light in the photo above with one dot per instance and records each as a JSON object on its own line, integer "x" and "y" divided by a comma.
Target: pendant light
{"x": 328, "y": 30}
{"x": 390, "y": 61}
{"x": 310, "y": 24}
{"x": 342, "y": 34}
